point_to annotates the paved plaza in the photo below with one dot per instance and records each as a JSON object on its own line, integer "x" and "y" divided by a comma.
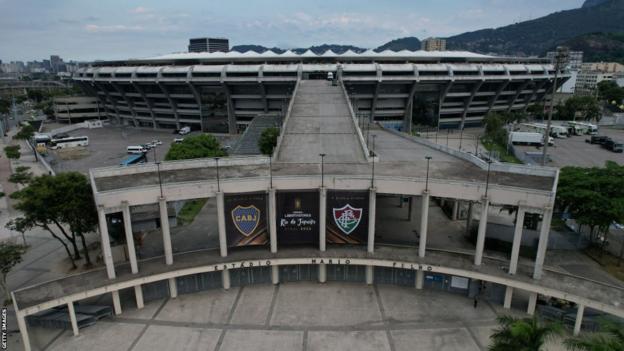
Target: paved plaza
{"x": 292, "y": 316}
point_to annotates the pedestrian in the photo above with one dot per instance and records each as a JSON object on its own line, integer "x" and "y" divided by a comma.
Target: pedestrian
{"x": 476, "y": 301}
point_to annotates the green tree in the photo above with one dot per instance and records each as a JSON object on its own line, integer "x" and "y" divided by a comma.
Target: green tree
{"x": 25, "y": 133}
{"x": 609, "y": 91}
{"x": 527, "y": 334}
{"x": 12, "y": 151}
{"x": 585, "y": 107}
{"x": 10, "y": 255}
{"x": 611, "y": 338}
{"x": 593, "y": 196}
{"x": 495, "y": 128}
{"x": 21, "y": 175}
{"x": 5, "y": 105}
{"x": 197, "y": 146}
{"x": 268, "y": 140}
{"x": 63, "y": 205}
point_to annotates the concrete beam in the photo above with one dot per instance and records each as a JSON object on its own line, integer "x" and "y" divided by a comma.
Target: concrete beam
{"x": 495, "y": 98}
{"x": 72, "y": 318}
{"x": 537, "y": 88}
{"x": 518, "y": 93}
{"x": 221, "y": 224}
{"x": 542, "y": 245}
{"x": 116, "y": 302}
{"x": 272, "y": 221}
{"x": 200, "y": 106}
{"x": 174, "y": 105}
{"x": 409, "y": 108}
{"x": 532, "y": 303}
{"x": 148, "y": 102}
{"x": 322, "y": 219}
{"x": 138, "y": 295}
{"x": 485, "y": 203}
{"x": 129, "y": 237}
{"x": 517, "y": 241}
{"x": 374, "y": 103}
{"x": 265, "y": 101}
{"x": 468, "y": 101}
{"x": 508, "y": 297}
{"x": 166, "y": 233}
{"x": 105, "y": 242}
{"x": 232, "y": 129}
{"x": 109, "y": 99}
{"x": 579, "y": 319}
{"x": 128, "y": 102}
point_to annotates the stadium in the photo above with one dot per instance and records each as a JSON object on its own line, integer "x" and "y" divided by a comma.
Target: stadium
{"x": 332, "y": 203}
{"x": 222, "y": 92}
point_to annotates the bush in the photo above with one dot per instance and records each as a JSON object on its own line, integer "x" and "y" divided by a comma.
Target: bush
{"x": 12, "y": 151}
{"x": 268, "y": 140}
{"x": 197, "y": 146}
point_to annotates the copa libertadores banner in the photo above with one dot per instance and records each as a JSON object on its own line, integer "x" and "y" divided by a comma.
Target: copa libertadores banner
{"x": 246, "y": 219}
{"x": 297, "y": 217}
{"x": 347, "y": 217}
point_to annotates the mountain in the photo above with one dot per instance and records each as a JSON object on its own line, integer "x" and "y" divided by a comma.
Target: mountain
{"x": 408, "y": 43}
{"x": 535, "y": 37}
{"x": 590, "y": 3}
{"x": 599, "y": 46}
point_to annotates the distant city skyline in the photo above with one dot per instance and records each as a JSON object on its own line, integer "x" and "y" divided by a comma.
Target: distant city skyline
{"x": 92, "y": 30}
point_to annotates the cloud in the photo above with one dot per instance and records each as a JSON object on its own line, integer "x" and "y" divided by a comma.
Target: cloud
{"x": 140, "y": 10}
{"x": 116, "y": 28}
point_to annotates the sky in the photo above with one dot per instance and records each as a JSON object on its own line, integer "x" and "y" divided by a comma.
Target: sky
{"x": 88, "y": 30}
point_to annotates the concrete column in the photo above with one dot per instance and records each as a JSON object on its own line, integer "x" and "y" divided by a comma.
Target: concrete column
{"x": 225, "y": 278}
{"x": 322, "y": 273}
{"x": 508, "y": 296}
{"x": 579, "y": 319}
{"x": 129, "y": 237}
{"x": 410, "y": 202}
{"x": 173, "y": 288}
{"x": 72, "y": 317}
{"x": 420, "y": 277}
{"x": 116, "y": 302}
{"x": 543, "y": 244}
{"x": 372, "y": 208}
{"x": 138, "y": 294}
{"x": 455, "y": 213}
{"x": 23, "y": 327}
{"x": 221, "y": 223}
{"x": 272, "y": 221}
{"x": 322, "y": 219}
{"x": 481, "y": 233}
{"x": 469, "y": 218}
{"x": 532, "y": 304}
{"x": 517, "y": 241}
{"x": 275, "y": 275}
{"x": 164, "y": 227}
{"x": 105, "y": 241}
{"x": 424, "y": 219}
{"x": 369, "y": 275}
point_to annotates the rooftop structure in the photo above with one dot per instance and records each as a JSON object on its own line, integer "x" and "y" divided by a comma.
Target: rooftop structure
{"x": 223, "y": 92}
{"x": 209, "y": 45}
{"x": 434, "y": 44}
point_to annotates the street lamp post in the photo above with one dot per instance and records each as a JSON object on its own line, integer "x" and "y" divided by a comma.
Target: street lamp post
{"x": 270, "y": 172}
{"x": 322, "y": 170}
{"x": 372, "y": 151}
{"x": 373, "y": 170}
{"x": 487, "y": 179}
{"x": 427, "y": 177}
{"x": 159, "y": 178}
{"x": 218, "y": 181}
{"x": 461, "y": 135}
{"x": 560, "y": 57}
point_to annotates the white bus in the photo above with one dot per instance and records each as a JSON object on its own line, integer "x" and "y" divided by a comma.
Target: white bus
{"x": 136, "y": 149}
{"x": 69, "y": 142}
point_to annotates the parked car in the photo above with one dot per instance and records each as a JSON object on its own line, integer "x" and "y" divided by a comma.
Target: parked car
{"x": 156, "y": 142}
{"x": 178, "y": 140}
{"x": 597, "y": 139}
{"x": 613, "y": 145}
{"x": 185, "y": 130}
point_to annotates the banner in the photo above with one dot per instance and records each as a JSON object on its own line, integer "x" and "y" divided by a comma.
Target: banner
{"x": 297, "y": 217}
{"x": 246, "y": 219}
{"x": 347, "y": 217}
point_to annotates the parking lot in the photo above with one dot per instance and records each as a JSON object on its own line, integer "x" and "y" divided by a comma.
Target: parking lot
{"x": 107, "y": 147}
{"x": 574, "y": 151}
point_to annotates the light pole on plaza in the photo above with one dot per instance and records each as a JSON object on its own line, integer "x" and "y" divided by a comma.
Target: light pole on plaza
{"x": 560, "y": 58}
{"x": 487, "y": 179}
{"x": 218, "y": 182}
{"x": 270, "y": 172}
{"x": 427, "y": 177}
{"x": 322, "y": 170}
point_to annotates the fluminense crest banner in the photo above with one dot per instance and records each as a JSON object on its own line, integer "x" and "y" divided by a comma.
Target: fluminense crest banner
{"x": 347, "y": 217}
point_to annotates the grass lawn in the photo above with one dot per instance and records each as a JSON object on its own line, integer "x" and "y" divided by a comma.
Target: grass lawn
{"x": 501, "y": 150}
{"x": 190, "y": 210}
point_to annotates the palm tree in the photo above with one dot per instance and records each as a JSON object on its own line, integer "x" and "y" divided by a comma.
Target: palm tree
{"x": 526, "y": 334}
{"x": 611, "y": 339}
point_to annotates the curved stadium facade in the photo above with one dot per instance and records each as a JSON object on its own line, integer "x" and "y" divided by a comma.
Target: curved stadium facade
{"x": 223, "y": 92}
